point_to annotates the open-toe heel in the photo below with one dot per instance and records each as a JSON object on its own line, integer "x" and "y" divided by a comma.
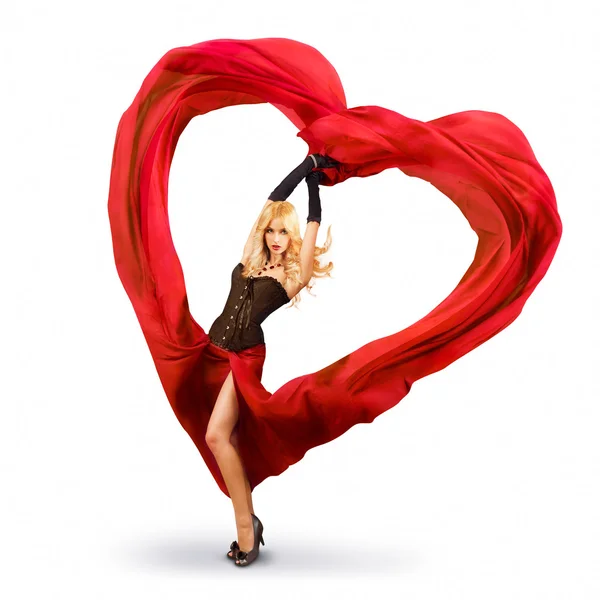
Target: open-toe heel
{"x": 233, "y": 548}
{"x": 245, "y": 558}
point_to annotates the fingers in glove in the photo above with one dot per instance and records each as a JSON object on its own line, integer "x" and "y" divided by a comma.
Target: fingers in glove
{"x": 325, "y": 162}
{"x": 315, "y": 177}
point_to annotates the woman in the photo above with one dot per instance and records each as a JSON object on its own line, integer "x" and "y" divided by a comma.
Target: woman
{"x": 276, "y": 265}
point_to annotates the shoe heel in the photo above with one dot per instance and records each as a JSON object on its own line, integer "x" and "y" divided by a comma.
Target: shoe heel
{"x": 262, "y": 541}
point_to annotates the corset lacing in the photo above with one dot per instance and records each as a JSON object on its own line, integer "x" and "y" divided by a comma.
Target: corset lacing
{"x": 246, "y": 308}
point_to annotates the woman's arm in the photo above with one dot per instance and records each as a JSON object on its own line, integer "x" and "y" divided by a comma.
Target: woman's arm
{"x": 313, "y": 221}
{"x": 307, "y": 252}
{"x": 248, "y": 246}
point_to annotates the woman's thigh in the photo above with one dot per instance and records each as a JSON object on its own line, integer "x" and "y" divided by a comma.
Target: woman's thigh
{"x": 225, "y": 413}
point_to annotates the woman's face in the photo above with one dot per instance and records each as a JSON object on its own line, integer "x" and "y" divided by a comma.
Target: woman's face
{"x": 277, "y": 238}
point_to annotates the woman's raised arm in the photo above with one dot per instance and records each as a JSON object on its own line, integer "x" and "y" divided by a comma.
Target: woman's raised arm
{"x": 307, "y": 252}
{"x": 313, "y": 221}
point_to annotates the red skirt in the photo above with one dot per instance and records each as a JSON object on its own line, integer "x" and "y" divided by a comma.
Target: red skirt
{"x": 480, "y": 160}
{"x": 255, "y": 440}
{"x": 273, "y": 431}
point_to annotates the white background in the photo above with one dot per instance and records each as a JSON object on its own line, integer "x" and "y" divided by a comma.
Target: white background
{"x": 481, "y": 483}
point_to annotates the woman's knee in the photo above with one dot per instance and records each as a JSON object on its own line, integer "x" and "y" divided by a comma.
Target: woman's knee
{"x": 222, "y": 432}
{"x": 215, "y": 437}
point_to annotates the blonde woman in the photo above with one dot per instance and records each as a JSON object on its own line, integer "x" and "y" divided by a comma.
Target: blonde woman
{"x": 276, "y": 265}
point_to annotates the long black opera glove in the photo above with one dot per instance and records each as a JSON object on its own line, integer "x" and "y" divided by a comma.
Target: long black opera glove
{"x": 314, "y": 199}
{"x": 291, "y": 181}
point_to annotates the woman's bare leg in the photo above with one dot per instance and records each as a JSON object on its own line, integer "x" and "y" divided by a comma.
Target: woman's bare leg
{"x": 234, "y": 443}
{"x": 218, "y": 438}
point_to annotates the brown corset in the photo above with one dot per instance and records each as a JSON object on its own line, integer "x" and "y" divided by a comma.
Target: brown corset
{"x": 251, "y": 300}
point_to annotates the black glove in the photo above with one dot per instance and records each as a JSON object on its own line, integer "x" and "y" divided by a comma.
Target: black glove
{"x": 325, "y": 162}
{"x": 291, "y": 181}
{"x": 313, "y": 180}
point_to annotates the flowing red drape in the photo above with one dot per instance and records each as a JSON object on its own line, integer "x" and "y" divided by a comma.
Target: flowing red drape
{"x": 479, "y": 160}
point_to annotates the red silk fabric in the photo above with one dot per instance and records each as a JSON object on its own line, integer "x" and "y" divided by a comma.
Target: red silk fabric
{"x": 480, "y": 160}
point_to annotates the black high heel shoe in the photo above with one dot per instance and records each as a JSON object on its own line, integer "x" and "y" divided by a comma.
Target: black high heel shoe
{"x": 245, "y": 558}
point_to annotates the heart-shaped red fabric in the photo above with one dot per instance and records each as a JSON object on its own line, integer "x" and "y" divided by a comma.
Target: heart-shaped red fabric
{"x": 479, "y": 160}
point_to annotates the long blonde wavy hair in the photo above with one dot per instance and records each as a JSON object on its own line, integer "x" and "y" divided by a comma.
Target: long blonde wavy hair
{"x": 285, "y": 211}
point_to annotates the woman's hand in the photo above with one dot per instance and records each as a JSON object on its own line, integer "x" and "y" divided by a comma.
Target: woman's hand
{"x": 325, "y": 162}
{"x": 314, "y": 178}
